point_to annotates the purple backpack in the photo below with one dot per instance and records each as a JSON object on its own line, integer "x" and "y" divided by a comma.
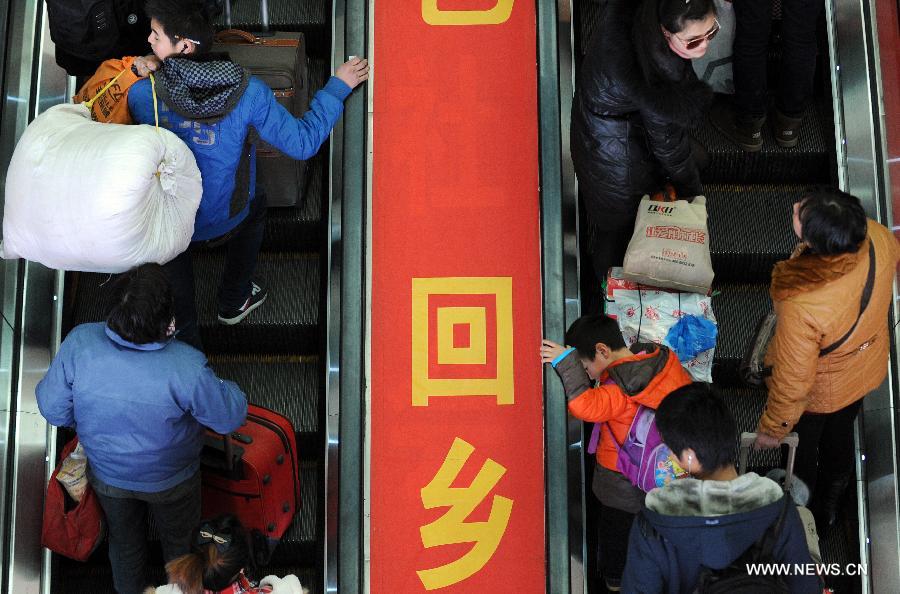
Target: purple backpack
{"x": 643, "y": 458}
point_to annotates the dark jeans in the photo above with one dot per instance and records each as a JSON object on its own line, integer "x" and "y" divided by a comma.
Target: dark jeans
{"x": 613, "y": 529}
{"x": 798, "y": 60}
{"x": 176, "y": 512}
{"x": 827, "y": 437}
{"x": 241, "y": 252}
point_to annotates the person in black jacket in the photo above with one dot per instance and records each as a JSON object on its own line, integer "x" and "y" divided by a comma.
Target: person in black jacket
{"x": 742, "y": 121}
{"x": 634, "y": 101}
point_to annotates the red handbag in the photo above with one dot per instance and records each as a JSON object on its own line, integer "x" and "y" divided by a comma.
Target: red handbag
{"x": 71, "y": 531}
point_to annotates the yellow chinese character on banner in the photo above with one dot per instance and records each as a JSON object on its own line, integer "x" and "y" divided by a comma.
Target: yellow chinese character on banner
{"x": 486, "y": 329}
{"x": 452, "y": 528}
{"x": 493, "y": 16}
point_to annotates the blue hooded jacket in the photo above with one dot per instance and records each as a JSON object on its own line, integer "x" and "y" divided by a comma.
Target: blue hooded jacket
{"x": 217, "y": 131}
{"x": 139, "y": 409}
{"x": 710, "y": 524}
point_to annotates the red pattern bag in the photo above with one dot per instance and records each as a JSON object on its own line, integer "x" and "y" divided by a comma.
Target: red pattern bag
{"x": 74, "y": 532}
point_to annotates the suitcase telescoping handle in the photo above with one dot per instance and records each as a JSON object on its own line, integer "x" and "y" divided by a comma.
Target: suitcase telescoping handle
{"x": 227, "y": 439}
{"x": 229, "y": 452}
{"x": 263, "y": 13}
{"x": 790, "y": 440}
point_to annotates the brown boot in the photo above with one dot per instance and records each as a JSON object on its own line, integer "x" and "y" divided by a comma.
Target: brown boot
{"x": 786, "y": 129}
{"x": 743, "y": 131}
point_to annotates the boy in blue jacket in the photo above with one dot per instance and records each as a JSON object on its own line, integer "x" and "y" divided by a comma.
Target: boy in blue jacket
{"x": 705, "y": 522}
{"x": 211, "y": 103}
{"x": 140, "y": 400}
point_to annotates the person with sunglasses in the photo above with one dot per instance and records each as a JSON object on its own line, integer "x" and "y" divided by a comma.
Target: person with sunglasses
{"x": 742, "y": 121}
{"x": 635, "y": 99}
{"x": 220, "y": 557}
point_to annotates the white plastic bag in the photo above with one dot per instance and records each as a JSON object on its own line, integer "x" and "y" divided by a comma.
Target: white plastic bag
{"x": 83, "y": 195}
{"x": 646, "y": 315}
{"x": 715, "y": 67}
{"x": 670, "y": 246}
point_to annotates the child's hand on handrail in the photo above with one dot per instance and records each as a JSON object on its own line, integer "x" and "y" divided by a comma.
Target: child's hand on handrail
{"x": 550, "y": 350}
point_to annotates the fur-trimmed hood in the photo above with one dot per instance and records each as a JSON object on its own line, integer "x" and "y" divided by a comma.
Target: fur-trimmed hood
{"x": 685, "y": 100}
{"x": 691, "y": 524}
{"x": 692, "y": 497}
{"x": 805, "y": 271}
{"x": 723, "y": 517}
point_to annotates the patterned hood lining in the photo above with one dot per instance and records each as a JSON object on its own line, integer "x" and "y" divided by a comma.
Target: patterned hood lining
{"x": 201, "y": 90}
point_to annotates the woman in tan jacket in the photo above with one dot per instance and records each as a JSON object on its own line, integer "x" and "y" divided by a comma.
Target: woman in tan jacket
{"x": 817, "y": 295}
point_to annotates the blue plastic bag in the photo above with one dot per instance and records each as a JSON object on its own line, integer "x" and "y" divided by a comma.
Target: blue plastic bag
{"x": 690, "y": 336}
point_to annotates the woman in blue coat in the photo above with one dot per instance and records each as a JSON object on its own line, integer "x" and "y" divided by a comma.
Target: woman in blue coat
{"x": 708, "y": 520}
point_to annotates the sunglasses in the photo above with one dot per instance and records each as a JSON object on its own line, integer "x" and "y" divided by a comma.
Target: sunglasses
{"x": 696, "y": 41}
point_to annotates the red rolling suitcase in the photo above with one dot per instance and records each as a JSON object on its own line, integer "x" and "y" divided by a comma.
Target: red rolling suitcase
{"x": 254, "y": 474}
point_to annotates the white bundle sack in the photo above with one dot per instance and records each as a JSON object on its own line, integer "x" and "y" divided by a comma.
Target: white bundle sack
{"x": 670, "y": 246}
{"x": 98, "y": 197}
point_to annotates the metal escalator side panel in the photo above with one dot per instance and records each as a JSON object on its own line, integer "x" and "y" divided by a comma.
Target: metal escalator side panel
{"x": 862, "y": 171}
{"x": 33, "y": 300}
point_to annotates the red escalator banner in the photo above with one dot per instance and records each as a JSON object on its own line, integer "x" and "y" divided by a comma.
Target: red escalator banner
{"x": 457, "y": 481}
{"x": 888, "y": 14}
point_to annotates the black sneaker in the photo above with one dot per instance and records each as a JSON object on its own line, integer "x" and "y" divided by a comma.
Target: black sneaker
{"x": 744, "y": 132}
{"x": 786, "y": 129}
{"x": 256, "y": 298}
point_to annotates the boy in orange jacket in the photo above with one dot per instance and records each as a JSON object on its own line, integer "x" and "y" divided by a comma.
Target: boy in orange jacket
{"x": 625, "y": 378}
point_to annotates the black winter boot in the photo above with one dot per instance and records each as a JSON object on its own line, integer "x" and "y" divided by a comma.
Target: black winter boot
{"x": 744, "y": 131}
{"x": 826, "y": 502}
{"x": 786, "y": 129}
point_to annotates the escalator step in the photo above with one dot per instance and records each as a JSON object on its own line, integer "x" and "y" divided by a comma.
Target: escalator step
{"x": 738, "y": 308}
{"x": 95, "y": 576}
{"x": 746, "y": 406}
{"x": 808, "y": 162}
{"x": 286, "y": 323}
{"x": 283, "y": 14}
{"x": 299, "y": 228}
{"x": 97, "y": 579}
{"x": 299, "y": 543}
{"x": 750, "y": 229}
{"x": 289, "y": 385}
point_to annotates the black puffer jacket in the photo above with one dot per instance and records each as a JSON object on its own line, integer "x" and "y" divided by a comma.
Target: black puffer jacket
{"x": 629, "y": 136}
